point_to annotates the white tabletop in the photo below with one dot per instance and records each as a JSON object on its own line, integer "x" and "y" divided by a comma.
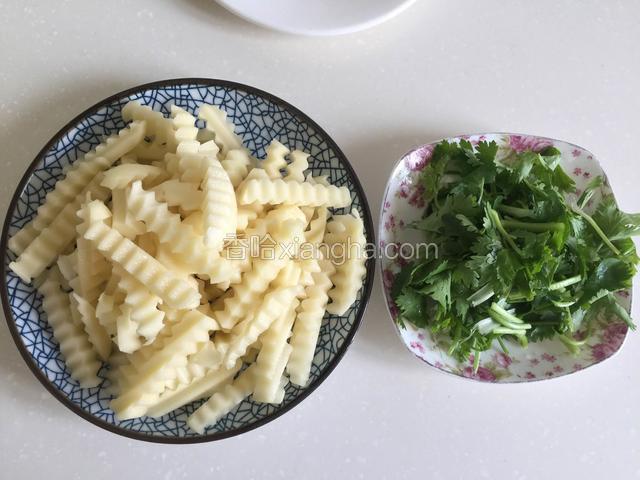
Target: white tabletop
{"x": 566, "y": 69}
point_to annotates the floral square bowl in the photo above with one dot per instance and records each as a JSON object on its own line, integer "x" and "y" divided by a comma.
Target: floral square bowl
{"x": 259, "y": 117}
{"x": 403, "y": 203}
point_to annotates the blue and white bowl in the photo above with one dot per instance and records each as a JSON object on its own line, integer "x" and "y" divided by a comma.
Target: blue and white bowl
{"x": 259, "y": 117}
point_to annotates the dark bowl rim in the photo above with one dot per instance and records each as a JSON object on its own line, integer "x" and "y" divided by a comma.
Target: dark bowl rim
{"x": 207, "y": 82}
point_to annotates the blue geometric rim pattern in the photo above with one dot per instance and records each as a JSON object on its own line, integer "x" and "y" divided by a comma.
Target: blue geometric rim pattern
{"x": 259, "y": 117}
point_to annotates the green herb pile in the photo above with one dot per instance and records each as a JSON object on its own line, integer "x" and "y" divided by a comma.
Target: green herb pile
{"x": 518, "y": 256}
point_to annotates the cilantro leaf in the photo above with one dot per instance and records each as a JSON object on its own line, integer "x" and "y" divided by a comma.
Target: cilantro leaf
{"x": 518, "y": 257}
{"x": 412, "y": 307}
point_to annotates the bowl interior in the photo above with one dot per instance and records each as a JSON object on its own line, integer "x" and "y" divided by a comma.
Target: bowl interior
{"x": 403, "y": 203}
{"x": 259, "y": 118}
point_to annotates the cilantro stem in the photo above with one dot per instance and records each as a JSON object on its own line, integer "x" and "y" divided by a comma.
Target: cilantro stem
{"x": 448, "y": 178}
{"x": 505, "y": 313}
{"x": 517, "y": 297}
{"x": 508, "y": 331}
{"x": 563, "y": 304}
{"x": 589, "y": 191}
{"x": 495, "y": 219}
{"x": 503, "y": 346}
{"x": 598, "y": 230}
{"x": 476, "y": 361}
{"x": 523, "y": 341}
{"x": 565, "y": 283}
{"x": 506, "y": 319}
{"x": 572, "y": 345}
{"x": 533, "y": 227}
{"x": 485, "y": 326}
{"x": 481, "y": 296}
{"x": 516, "y": 211}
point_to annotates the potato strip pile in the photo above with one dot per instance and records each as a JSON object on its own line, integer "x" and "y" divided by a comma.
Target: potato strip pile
{"x": 192, "y": 269}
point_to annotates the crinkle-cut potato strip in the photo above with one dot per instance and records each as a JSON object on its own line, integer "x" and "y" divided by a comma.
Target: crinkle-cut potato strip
{"x": 181, "y": 194}
{"x": 231, "y": 268}
{"x": 79, "y": 355}
{"x": 174, "y": 262}
{"x": 128, "y": 371}
{"x": 190, "y": 164}
{"x": 120, "y": 176}
{"x": 56, "y": 236}
{"x": 186, "y": 374}
{"x": 244, "y": 217}
{"x": 209, "y": 149}
{"x": 92, "y": 269}
{"x": 127, "y": 337}
{"x": 123, "y": 220}
{"x": 308, "y": 266}
{"x": 205, "y": 358}
{"x": 288, "y": 276}
{"x": 159, "y": 136}
{"x": 224, "y": 131}
{"x": 134, "y": 400}
{"x": 82, "y": 311}
{"x": 149, "y": 349}
{"x": 248, "y": 331}
{"x": 68, "y": 265}
{"x": 283, "y": 213}
{"x": 199, "y": 388}
{"x": 154, "y": 373}
{"x": 210, "y": 355}
{"x": 278, "y": 191}
{"x": 317, "y": 226}
{"x": 275, "y": 160}
{"x": 22, "y": 238}
{"x": 128, "y": 158}
{"x": 125, "y": 373}
{"x": 272, "y": 388}
{"x": 308, "y": 213}
{"x": 98, "y": 281}
{"x": 143, "y": 306}
{"x": 171, "y": 163}
{"x": 188, "y": 147}
{"x": 307, "y": 325}
{"x": 192, "y": 169}
{"x": 270, "y": 364}
{"x": 236, "y": 164}
{"x": 256, "y": 281}
{"x": 298, "y": 164}
{"x": 107, "y": 312}
{"x": 147, "y": 270}
{"x": 79, "y": 175}
{"x": 347, "y": 230}
{"x": 250, "y": 289}
{"x": 248, "y": 214}
{"x": 172, "y": 231}
{"x": 284, "y": 381}
{"x": 252, "y": 286}
{"x": 184, "y": 126}
{"x": 219, "y": 207}
{"x": 116, "y": 359}
{"x": 222, "y": 402}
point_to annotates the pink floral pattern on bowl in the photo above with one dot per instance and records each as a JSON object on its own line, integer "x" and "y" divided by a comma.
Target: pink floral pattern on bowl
{"x": 403, "y": 204}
